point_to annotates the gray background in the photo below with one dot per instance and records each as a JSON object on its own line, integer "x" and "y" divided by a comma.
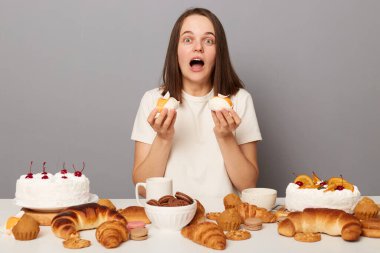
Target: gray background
{"x": 72, "y": 74}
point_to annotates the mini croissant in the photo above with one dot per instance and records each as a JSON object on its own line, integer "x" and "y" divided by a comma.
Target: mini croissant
{"x": 111, "y": 234}
{"x": 207, "y": 234}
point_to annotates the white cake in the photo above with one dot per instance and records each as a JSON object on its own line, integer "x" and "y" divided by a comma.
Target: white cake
{"x": 59, "y": 190}
{"x": 298, "y": 199}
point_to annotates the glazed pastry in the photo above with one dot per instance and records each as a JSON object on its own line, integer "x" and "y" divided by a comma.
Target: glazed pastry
{"x": 366, "y": 209}
{"x": 26, "y": 228}
{"x": 167, "y": 102}
{"x": 108, "y": 203}
{"x": 265, "y": 215}
{"x": 135, "y": 213}
{"x": 86, "y": 216}
{"x": 246, "y": 210}
{"x": 321, "y": 220}
{"x": 111, "y": 234}
{"x": 231, "y": 201}
{"x": 207, "y": 234}
{"x": 220, "y": 102}
{"x": 229, "y": 220}
{"x": 199, "y": 216}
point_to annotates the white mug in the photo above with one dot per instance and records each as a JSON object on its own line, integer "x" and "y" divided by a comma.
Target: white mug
{"x": 155, "y": 188}
{"x": 261, "y": 197}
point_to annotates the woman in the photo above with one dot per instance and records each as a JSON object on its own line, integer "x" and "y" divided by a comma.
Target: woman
{"x": 206, "y": 153}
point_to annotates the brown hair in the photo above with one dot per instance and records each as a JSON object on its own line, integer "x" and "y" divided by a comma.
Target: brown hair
{"x": 224, "y": 79}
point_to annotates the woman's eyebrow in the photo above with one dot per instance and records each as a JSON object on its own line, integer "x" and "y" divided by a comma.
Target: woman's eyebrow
{"x": 206, "y": 33}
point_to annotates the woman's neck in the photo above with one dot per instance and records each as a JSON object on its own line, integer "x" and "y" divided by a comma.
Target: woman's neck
{"x": 197, "y": 89}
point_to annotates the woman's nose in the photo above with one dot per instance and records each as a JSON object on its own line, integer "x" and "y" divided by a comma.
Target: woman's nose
{"x": 198, "y": 47}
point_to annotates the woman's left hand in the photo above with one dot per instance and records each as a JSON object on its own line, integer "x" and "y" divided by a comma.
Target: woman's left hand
{"x": 226, "y": 122}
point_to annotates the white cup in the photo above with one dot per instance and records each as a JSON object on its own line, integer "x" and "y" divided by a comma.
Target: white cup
{"x": 261, "y": 197}
{"x": 155, "y": 188}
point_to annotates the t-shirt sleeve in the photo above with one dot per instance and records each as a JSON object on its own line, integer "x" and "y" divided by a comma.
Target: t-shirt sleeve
{"x": 142, "y": 131}
{"x": 248, "y": 129}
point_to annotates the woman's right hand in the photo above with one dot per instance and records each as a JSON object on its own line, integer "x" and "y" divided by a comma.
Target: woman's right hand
{"x": 164, "y": 123}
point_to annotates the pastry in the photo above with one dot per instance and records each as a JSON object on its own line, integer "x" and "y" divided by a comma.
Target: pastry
{"x": 213, "y": 215}
{"x": 108, "y": 203}
{"x": 220, "y": 102}
{"x": 199, "y": 216}
{"x": 246, "y": 210}
{"x": 373, "y": 233}
{"x": 366, "y": 209}
{"x": 307, "y": 237}
{"x": 373, "y": 223}
{"x": 265, "y": 216}
{"x": 281, "y": 214}
{"x": 238, "y": 235}
{"x": 111, "y": 234}
{"x": 253, "y": 224}
{"x": 135, "y": 224}
{"x": 312, "y": 192}
{"x": 231, "y": 201}
{"x": 207, "y": 234}
{"x": 86, "y": 216}
{"x": 167, "y": 102}
{"x": 26, "y": 228}
{"x": 139, "y": 234}
{"x": 229, "y": 220}
{"x": 76, "y": 243}
{"x": 321, "y": 220}
{"x": 135, "y": 213}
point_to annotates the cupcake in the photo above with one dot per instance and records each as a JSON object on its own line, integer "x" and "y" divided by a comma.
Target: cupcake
{"x": 366, "y": 209}
{"x": 231, "y": 201}
{"x": 26, "y": 228}
{"x": 229, "y": 220}
{"x": 220, "y": 102}
{"x": 167, "y": 102}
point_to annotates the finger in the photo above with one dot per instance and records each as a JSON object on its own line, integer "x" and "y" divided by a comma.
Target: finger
{"x": 173, "y": 120}
{"x": 168, "y": 119}
{"x": 152, "y": 116}
{"x": 161, "y": 118}
{"x": 229, "y": 118}
{"x": 235, "y": 116}
{"x": 221, "y": 118}
{"x": 215, "y": 119}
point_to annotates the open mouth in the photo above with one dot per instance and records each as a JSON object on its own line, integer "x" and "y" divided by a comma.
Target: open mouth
{"x": 197, "y": 62}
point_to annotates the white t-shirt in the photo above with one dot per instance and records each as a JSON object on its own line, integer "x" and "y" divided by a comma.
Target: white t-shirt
{"x": 195, "y": 163}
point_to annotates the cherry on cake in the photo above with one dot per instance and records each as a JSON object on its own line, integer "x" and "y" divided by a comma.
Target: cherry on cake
{"x": 46, "y": 190}
{"x": 335, "y": 193}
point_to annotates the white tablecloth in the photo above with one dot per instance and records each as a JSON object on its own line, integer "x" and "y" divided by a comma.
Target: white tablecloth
{"x": 266, "y": 240}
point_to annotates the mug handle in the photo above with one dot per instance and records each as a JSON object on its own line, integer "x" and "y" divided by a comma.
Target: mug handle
{"x": 137, "y": 192}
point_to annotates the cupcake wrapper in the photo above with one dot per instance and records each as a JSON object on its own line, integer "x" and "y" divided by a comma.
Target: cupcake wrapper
{"x": 26, "y": 236}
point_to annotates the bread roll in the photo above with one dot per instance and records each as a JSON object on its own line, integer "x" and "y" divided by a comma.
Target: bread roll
{"x": 323, "y": 220}
{"x": 135, "y": 213}
{"x": 86, "y": 216}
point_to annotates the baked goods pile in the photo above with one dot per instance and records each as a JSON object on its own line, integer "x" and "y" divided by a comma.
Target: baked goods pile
{"x": 222, "y": 226}
{"x": 45, "y": 190}
{"x": 312, "y": 192}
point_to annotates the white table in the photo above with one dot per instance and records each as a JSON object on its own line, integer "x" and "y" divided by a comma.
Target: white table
{"x": 266, "y": 240}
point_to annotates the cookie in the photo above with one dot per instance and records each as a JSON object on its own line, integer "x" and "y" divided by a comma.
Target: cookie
{"x": 177, "y": 202}
{"x": 238, "y": 235}
{"x": 253, "y": 224}
{"x": 184, "y": 197}
{"x": 165, "y": 199}
{"x": 373, "y": 233}
{"x": 153, "y": 202}
{"x": 213, "y": 215}
{"x": 76, "y": 243}
{"x": 139, "y": 234}
{"x": 307, "y": 237}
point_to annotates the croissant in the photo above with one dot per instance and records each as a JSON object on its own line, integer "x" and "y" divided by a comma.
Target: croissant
{"x": 86, "y": 216}
{"x": 111, "y": 234}
{"x": 200, "y": 214}
{"x": 246, "y": 210}
{"x": 207, "y": 234}
{"x": 324, "y": 220}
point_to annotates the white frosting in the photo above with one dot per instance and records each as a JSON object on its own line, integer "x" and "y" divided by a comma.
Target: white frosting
{"x": 218, "y": 103}
{"x": 172, "y": 103}
{"x": 54, "y": 191}
{"x": 298, "y": 199}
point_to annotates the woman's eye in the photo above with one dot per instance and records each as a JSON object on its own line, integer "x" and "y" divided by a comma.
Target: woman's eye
{"x": 209, "y": 41}
{"x": 187, "y": 40}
